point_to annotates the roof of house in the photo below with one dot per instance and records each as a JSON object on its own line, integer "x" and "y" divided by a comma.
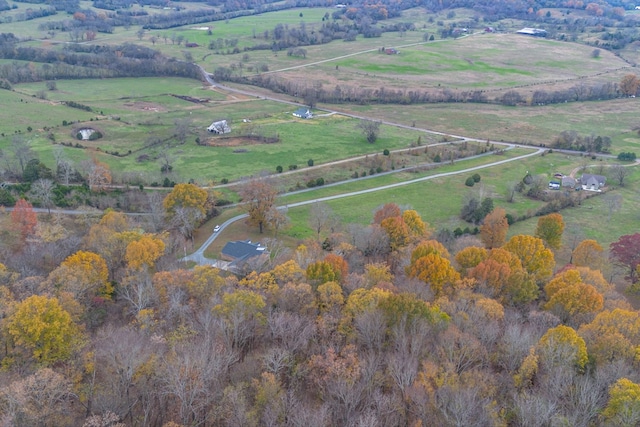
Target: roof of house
{"x": 220, "y": 127}
{"x": 589, "y": 179}
{"x": 301, "y": 112}
{"x": 242, "y": 250}
{"x": 532, "y": 32}
{"x": 567, "y": 181}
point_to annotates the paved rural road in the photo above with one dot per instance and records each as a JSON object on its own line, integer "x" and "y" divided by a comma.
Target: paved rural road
{"x": 199, "y": 258}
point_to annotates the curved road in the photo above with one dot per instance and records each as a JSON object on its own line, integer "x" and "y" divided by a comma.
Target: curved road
{"x": 199, "y": 258}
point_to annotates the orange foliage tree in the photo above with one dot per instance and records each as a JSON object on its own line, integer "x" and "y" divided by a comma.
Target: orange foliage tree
{"x": 24, "y": 218}
{"x": 588, "y": 253}
{"x": 493, "y": 231}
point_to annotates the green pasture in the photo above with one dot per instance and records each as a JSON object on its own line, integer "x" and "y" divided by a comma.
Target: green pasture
{"x": 129, "y": 111}
{"x": 538, "y": 125}
{"x": 481, "y": 61}
{"x": 439, "y": 200}
{"x": 400, "y": 176}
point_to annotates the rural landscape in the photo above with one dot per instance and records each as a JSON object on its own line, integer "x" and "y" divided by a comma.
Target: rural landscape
{"x": 313, "y": 213}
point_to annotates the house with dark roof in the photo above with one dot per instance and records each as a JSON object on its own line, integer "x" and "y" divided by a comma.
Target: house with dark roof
{"x": 240, "y": 251}
{"x": 303, "y": 113}
{"x": 219, "y": 127}
{"x": 592, "y": 182}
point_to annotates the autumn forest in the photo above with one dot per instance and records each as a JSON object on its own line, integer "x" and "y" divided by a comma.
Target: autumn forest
{"x": 377, "y": 325}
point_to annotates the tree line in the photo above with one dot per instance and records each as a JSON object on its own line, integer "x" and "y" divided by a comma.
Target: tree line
{"x": 89, "y": 62}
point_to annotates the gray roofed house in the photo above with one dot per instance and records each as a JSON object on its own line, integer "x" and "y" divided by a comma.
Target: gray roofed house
{"x": 219, "y": 127}
{"x": 242, "y": 250}
{"x": 592, "y": 182}
{"x": 567, "y": 181}
{"x": 303, "y": 113}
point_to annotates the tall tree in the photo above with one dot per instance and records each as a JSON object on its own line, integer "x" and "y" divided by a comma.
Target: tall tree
{"x": 370, "y": 130}
{"x": 84, "y": 274}
{"x": 588, "y": 253}
{"x": 535, "y": 258}
{"x": 185, "y": 206}
{"x": 24, "y": 219}
{"x": 629, "y": 84}
{"x": 258, "y": 199}
{"x": 388, "y": 210}
{"x": 493, "y": 231}
{"x": 42, "y": 190}
{"x": 626, "y": 253}
{"x": 43, "y": 330}
{"x": 623, "y": 408}
{"x": 550, "y": 228}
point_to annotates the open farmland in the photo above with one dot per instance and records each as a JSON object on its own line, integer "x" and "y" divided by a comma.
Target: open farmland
{"x": 488, "y": 62}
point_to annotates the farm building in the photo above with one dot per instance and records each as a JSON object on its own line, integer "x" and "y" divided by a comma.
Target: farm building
{"x": 303, "y": 113}
{"x": 219, "y": 127}
{"x": 536, "y": 32}
{"x": 568, "y": 182}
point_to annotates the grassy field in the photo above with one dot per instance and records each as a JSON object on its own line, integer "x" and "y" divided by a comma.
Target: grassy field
{"x": 536, "y": 125}
{"x": 129, "y": 111}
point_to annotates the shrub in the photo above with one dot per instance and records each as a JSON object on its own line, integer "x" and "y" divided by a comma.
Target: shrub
{"x": 319, "y": 181}
{"x": 437, "y": 158}
{"x": 224, "y": 181}
{"x": 95, "y": 135}
{"x": 310, "y": 162}
{"x": 476, "y": 177}
{"x": 385, "y": 152}
{"x": 279, "y": 169}
{"x": 470, "y": 182}
{"x": 628, "y": 156}
{"x": 311, "y": 183}
{"x": 293, "y": 167}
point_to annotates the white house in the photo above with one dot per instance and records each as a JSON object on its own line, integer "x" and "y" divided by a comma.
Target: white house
{"x": 219, "y": 127}
{"x": 303, "y": 113}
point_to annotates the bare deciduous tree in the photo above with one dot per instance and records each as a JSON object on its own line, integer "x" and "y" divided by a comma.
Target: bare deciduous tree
{"x": 619, "y": 173}
{"x": 370, "y": 130}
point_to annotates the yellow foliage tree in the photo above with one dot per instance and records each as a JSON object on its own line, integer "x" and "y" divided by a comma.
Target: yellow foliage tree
{"x": 434, "y": 270}
{"x": 470, "y": 256}
{"x": 535, "y": 258}
{"x": 288, "y": 272}
{"x": 144, "y": 252}
{"x": 375, "y": 274}
{"x": 550, "y": 228}
{"x": 562, "y": 345}
{"x": 418, "y": 229}
{"x": 330, "y": 297}
{"x": 83, "y": 274}
{"x": 427, "y": 247}
{"x": 613, "y": 335}
{"x": 588, "y": 253}
{"x": 623, "y": 408}
{"x": 43, "y": 330}
{"x": 186, "y": 196}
